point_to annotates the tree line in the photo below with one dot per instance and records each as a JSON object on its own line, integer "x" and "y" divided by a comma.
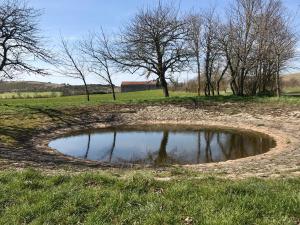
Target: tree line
{"x": 249, "y": 46}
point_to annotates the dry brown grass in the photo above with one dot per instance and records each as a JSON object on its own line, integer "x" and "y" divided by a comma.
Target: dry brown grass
{"x": 292, "y": 76}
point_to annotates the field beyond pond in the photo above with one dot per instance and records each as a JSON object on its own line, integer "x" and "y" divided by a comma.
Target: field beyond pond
{"x": 22, "y": 95}
{"x": 39, "y": 186}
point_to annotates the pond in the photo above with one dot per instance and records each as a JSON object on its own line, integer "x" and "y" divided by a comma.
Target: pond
{"x": 162, "y": 145}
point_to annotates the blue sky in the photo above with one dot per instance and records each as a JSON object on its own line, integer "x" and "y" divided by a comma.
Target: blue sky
{"x": 75, "y": 18}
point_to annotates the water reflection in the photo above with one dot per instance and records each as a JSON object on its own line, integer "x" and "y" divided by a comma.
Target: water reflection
{"x": 161, "y": 147}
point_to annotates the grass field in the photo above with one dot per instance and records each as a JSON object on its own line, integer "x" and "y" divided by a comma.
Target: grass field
{"x": 155, "y": 96}
{"x": 134, "y": 197}
{"x": 102, "y": 198}
{"x": 130, "y": 97}
{"x": 22, "y": 95}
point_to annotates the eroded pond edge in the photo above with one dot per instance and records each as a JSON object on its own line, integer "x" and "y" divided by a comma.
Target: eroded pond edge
{"x": 281, "y": 140}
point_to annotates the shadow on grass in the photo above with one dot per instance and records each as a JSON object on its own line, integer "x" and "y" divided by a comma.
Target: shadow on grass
{"x": 25, "y": 152}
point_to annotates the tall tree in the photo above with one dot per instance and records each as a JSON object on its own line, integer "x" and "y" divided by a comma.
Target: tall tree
{"x": 195, "y": 22}
{"x": 95, "y": 48}
{"x": 154, "y": 41}
{"x": 211, "y": 49}
{"x": 20, "y": 39}
{"x": 73, "y": 64}
{"x": 259, "y": 44}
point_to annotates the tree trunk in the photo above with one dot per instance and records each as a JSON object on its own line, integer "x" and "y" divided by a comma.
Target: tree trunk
{"x": 86, "y": 90}
{"x": 220, "y": 79}
{"x": 278, "y": 78}
{"x": 241, "y": 83}
{"x": 207, "y": 89}
{"x": 233, "y": 86}
{"x": 212, "y": 88}
{"x": 164, "y": 85}
{"x": 113, "y": 91}
{"x": 199, "y": 75}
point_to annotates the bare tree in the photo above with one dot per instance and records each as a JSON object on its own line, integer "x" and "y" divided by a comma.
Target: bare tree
{"x": 95, "y": 48}
{"x": 251, "y": 47}
{"x": 283, "y": 40}
{"x": 194, "y": 22}
{"x": 258, "y": 44}
{"x": 211, "y": 49}
{"x": 73, "y": 64}
{"x": 154, "y": 41}
{"x": 20, "y": 42}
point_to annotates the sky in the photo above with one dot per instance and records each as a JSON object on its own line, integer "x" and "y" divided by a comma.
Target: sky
{"x": 73, "y": 19}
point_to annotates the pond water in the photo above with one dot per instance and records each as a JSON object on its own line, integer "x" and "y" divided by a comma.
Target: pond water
{"x": 163, "y": 145}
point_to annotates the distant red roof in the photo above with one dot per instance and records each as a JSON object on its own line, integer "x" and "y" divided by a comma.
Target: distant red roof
{"x": 138, "y": 83}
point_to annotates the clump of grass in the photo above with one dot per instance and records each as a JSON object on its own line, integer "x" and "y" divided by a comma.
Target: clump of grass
{"x": 7, "y": 140}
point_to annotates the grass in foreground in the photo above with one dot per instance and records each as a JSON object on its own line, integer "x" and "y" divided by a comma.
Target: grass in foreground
{"x": 32, "y": 198}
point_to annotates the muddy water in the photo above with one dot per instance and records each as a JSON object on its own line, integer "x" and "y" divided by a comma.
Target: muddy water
{"x": 163, "y": 145}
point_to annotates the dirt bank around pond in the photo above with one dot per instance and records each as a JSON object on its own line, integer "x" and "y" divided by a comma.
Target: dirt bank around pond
{"x": 283, "y": 124}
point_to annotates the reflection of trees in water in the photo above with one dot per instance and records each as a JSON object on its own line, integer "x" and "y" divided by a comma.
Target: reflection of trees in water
{"x": 88, "y": 146}
{"x": 198, "y": 147}
{"x": 233, "y": 146}
{"x": 208, "y": 136}
{"x": 109, "y": 153}
{"x": 228, "y": 145}
{"x": 162, "y": 156}
{"x": 225, "y": 150}
{"x": 238, "y": 146}
{"x": 159, "y": 157}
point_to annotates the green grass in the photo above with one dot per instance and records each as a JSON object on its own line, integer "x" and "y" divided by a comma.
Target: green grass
{"x": 22, "y": 95}
{"x": 101, "y": 198}
{"x": 155, "y": 96}
{"x": 80, "y": 100}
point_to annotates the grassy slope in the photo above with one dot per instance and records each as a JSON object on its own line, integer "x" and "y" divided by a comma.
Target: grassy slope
{"x": 105, "y": 198}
